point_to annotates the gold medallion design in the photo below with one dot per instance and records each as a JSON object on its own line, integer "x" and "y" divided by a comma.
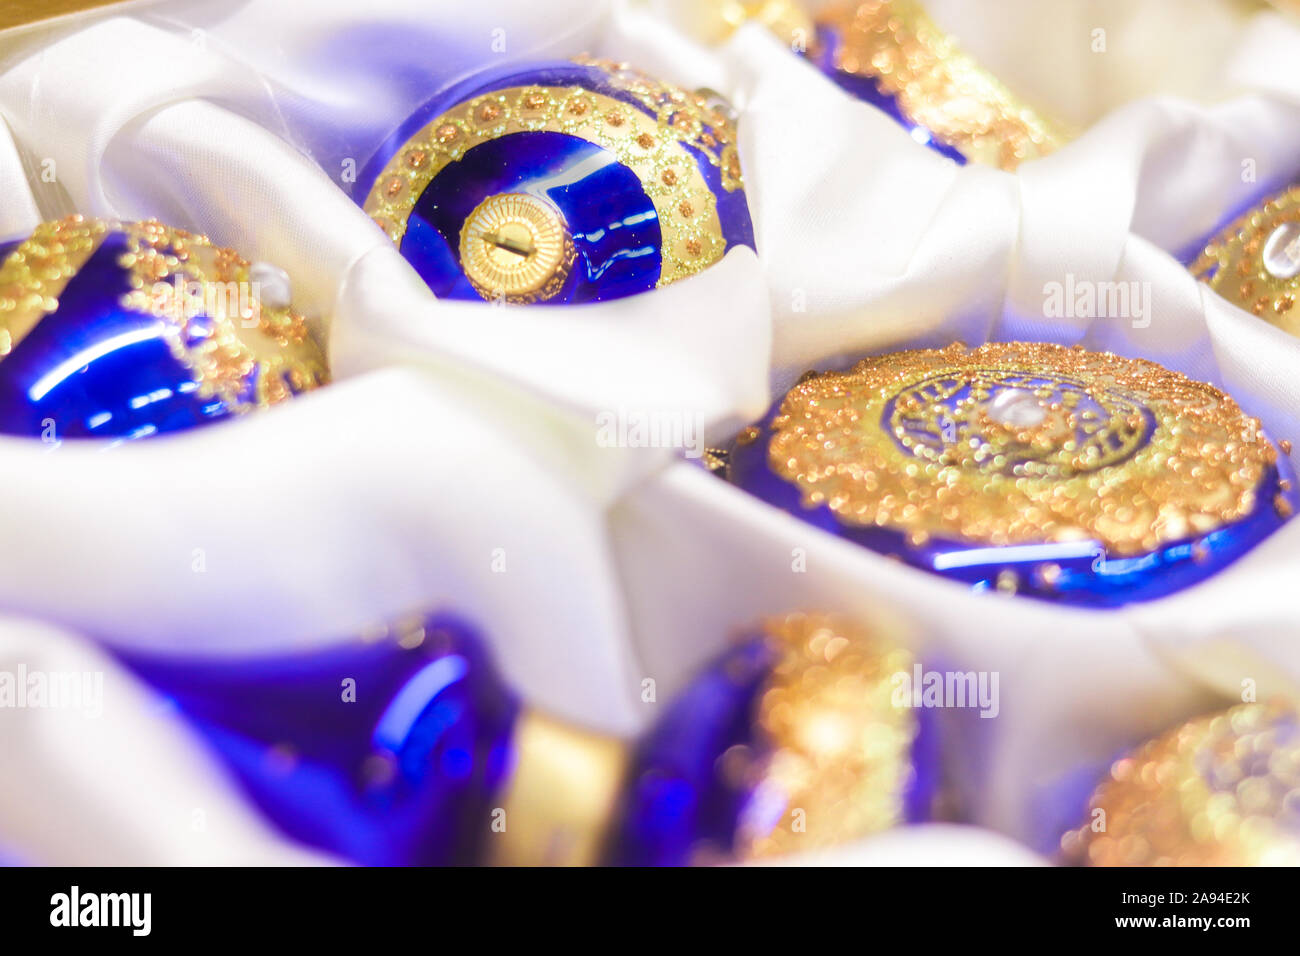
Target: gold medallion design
{"x": 201, "y": 293}
{"x": 1254, "y": 263}
{"x": 841, "y": 747}
{"x": 651, "y": 145}
{"x": 938, "y": 86}
{"x": 515, "y": 246}
{"x": 1218, "y": 791}
{"x": 1014, "y": 443}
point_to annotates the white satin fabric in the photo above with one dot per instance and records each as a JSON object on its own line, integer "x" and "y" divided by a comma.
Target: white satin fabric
{"x": 459, "y": 435}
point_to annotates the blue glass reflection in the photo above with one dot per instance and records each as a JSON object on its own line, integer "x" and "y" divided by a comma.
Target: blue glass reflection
{"x": 612, "y": 221}
{"x": 381, "y": 755}
{"x": 93, "y": 368}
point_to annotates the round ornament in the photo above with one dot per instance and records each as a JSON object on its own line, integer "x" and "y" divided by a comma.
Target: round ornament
{"x": 1024, "y": 467}
{"x": 561, "y": 183}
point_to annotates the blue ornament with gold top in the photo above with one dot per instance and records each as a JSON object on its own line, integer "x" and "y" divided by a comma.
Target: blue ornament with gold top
{"x": 125, "y": 330}
{"x": 405, "y": 746}
{"x": 1030, "y": 468}
{"x": 796, "y": 739}
{"x": 559, "y": 183}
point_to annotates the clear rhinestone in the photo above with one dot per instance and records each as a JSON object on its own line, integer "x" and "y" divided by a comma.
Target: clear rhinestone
{"x": 272, "y": 285}
{"x": 1016, "y": 408}
{"x": 1282, "y": 251}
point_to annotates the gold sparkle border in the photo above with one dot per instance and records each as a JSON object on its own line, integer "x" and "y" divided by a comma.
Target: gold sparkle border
{"x": 1232, "y": 263}
{"x": 938, "y": 85}
{"x": 1198, "y": 472}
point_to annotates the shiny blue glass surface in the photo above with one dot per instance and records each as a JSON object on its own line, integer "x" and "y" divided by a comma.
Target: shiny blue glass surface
{"x": 1089, "y": 576}
{"x": 94, "y": 368}
{"x": 868, "y": 90}
{"x": 613, "y": 223}
{"x": 680, "y": 807}
{"x": 401, "y": 771}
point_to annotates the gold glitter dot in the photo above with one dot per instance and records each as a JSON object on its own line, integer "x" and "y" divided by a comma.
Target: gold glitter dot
{"x": 645, "y": 140}
{"x": 534, "y": 101}
{"x": 694, "y": 247}
{"x": 669, "y": 177}
{"x": 394, "y": 186}
{"x": 748, "y": 435}
{"x": 489, "y": 112}
{"x": 614, "y": 118}
{"x": 416, "y": 158}
{"x": 447, "y": 133}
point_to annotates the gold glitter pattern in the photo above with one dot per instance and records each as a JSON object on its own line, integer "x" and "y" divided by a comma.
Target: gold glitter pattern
{"x": 34, "y": 275}
{"x": 841, "y": 747}
{"x": 226, "y": 341}
{"x": 938, "y": 86}
{"x": 1221, "y": 790}
{"x": 650, "y": 145}
{"x": 1233, "y": 262}
{"x": 913, "y": 442}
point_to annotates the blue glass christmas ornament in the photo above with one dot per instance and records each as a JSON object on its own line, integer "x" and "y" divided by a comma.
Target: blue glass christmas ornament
{"x": 560, "y": 182}
{"x": 890, "y": 54}
{"x": 406, "y": 747}
{"x": 1055, "y": 472}
{"x": 388, "y": 751}
{"x": 800, "y": 737}
{"x": 124, "y": 330}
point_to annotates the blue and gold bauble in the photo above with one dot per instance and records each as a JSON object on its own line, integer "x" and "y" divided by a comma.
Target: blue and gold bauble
{"x": 891, "y": 54}
{"x": 406, "y": 747}
{"x": 1024, "y": 467}
{"x": 1220, "y": 790}
{"x": 796, "y": 739}
{"x": 1254, "y": 262}
{"x": 124, "y": 330}
{"x": 559, "y": 183}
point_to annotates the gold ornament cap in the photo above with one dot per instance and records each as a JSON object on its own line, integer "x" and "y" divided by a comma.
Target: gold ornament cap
{"x": 516, "y": 247}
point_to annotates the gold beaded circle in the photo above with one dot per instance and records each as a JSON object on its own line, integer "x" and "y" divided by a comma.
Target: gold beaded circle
{"x": 1093, "y": 447}
{"x": 516, "y": 247}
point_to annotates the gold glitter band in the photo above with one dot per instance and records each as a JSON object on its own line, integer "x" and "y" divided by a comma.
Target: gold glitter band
{"x": 1214, "y": 792}
{"x": 926, "y": 443}
{"x": 34, "y": 275}
{"x": 938, "y": 86}
{"x": 841, "y": 747}
{"x": 1255, "y": 262}
{"x": 561, "y": 798}
{"x": 651, "y": 146}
